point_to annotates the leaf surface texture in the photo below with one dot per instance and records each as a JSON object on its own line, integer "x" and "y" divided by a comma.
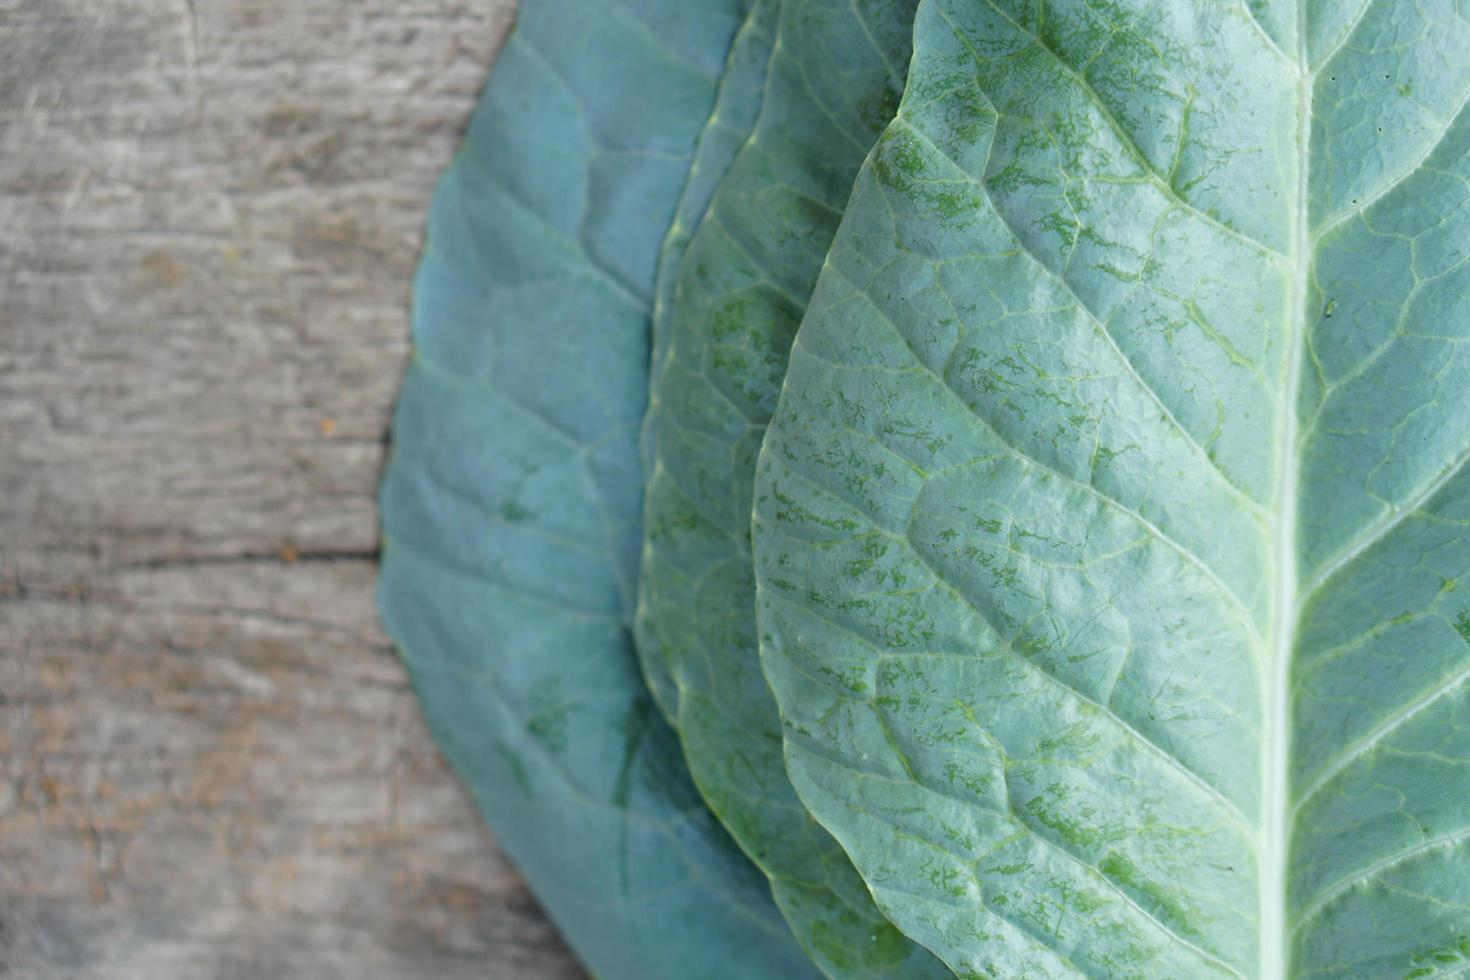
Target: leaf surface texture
{"x": 729, "y": 306}
{"x": 512, "y": 501}
{"x": 737, "y": 110}
{"x": 1110, "y": 529}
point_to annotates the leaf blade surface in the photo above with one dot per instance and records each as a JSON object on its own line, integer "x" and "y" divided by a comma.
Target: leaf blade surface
{"x": 723, "y": 328}
{"x": 1130, "y": 357}
{"x": 511, "y": 501}
{"x": 737, "y": 110}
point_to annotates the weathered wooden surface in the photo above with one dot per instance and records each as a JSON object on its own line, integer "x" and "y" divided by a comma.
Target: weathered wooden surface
{"x": 212, "y": 766}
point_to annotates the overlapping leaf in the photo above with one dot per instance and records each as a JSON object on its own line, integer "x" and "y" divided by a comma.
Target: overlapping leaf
{"x": 727, "y": 321}
{"x": 1111, "y": 528}
{"x": 737, "y": 109}
{"x": 511, "y": 505}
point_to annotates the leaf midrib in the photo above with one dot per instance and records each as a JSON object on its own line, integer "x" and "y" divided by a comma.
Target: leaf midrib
{"x": 1276, "y": 738}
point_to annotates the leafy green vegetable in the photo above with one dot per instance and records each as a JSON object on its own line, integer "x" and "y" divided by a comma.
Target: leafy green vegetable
{"x": 737, "y": 108}
{"x": 511, "y": 505}
{"x": 1110, "y": 529}
{"x": 729, "y": 314}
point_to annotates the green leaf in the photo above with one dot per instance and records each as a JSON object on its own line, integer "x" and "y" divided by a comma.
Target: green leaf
{"x": 727, "y": 318}
{"x": 511, "y": 505}
{"x": 737, "y": 109}
{"x": 1109, "y": 529}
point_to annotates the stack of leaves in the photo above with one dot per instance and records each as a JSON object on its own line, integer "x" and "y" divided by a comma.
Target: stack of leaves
{"x": 957, "y": 487}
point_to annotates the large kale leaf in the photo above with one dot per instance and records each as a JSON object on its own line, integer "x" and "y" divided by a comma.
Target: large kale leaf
{"x": 1112, "y": 528}
{"x": 511, "y": 504}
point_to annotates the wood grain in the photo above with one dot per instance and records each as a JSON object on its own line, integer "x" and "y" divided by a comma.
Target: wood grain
{"x": 212, "y": 765}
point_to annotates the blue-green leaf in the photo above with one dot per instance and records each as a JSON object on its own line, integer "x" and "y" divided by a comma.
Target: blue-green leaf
{"x": 726, "y": 320}
{"x": 737, "y": 108}
{"x": 1110, "y": 529}
{"x": 511, "y": 504}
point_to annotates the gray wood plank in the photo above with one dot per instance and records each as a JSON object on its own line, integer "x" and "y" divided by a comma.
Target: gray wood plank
{"x": 210, "y": 762}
